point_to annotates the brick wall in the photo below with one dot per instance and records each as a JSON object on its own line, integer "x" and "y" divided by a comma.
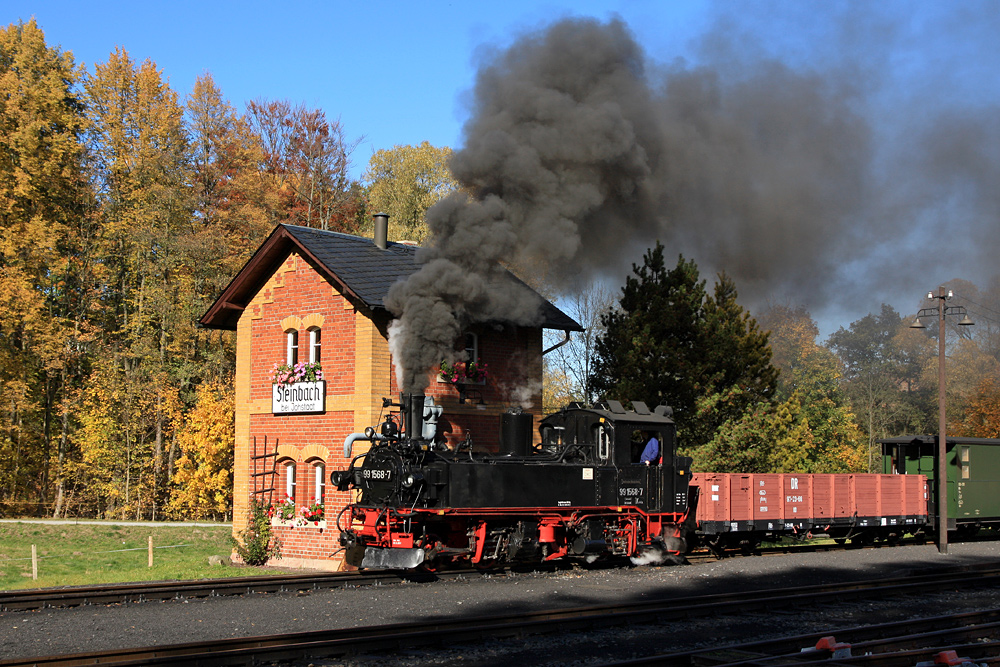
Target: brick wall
{"x": 296, "y": 297}
{"x": 358, "y": 373}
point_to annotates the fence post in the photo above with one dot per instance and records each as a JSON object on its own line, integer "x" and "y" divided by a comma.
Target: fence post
{"x": 150, "y": 551}
{"x": 34, "y": 563}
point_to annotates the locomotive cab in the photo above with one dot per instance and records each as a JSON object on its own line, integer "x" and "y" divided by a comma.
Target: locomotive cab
{"x": 617, "y": 438}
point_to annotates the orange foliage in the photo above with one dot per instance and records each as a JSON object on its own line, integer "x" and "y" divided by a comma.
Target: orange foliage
{"x": 203, "y": 481}
{"x": 982, "y": 416}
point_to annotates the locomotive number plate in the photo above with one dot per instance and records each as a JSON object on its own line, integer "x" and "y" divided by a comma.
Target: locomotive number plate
{"x": 377, "y": 473}
{"x": 630, "y": 491}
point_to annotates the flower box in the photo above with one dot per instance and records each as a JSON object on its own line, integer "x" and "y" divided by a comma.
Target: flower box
{"x": 462, "y": 373}
{"x": 298, "y": 522}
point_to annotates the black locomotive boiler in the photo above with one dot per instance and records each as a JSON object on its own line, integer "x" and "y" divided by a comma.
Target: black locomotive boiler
{"x": 581, "y": 492}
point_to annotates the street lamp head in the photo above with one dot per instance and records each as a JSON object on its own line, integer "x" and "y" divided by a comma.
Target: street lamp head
{"x": 965, "y": 322}
{"x": 930, "y": 295}
{"x": 917, "y": 324}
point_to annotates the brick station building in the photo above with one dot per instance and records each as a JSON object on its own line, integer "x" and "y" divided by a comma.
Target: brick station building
{"x": 316, "y": 296}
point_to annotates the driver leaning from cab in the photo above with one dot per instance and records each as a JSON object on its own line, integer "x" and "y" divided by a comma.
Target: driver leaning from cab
{"x": 651, "y": 453}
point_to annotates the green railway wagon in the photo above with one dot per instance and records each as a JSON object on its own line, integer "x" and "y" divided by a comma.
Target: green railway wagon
{"x": 973, "y": 478}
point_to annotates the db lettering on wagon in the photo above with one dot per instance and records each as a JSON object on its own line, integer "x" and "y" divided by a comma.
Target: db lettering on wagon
{"x": 377, "y": 474}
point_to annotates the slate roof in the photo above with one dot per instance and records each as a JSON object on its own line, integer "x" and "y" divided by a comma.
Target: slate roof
{"x": 355, "y": 264}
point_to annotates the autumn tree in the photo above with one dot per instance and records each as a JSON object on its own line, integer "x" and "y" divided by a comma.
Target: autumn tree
{"x": 879, "y": 375}
{"x": 982, "y": 415}
{"x": 968, "y": 369}
{"x": 44, "y": 219}
{"x": 123, "y": 214}
{"x": 405, "y": 181}
{"x": 231, "y": 216}
{"x": 972, "y": 353}
{"x": 810, "y": 389}
{"x": 763, "y": 438}
{"x": 203, "y": 481}
{"x": 141, "y": 169}
{"x": 117, "y": 440}
{"x": 558, "y": 389}
{"x": 306, "y": 160}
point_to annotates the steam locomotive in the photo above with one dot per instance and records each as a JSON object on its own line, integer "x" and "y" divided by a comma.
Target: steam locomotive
{"x": 582, "y": 492}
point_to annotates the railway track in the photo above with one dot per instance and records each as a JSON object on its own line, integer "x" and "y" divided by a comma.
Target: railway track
{"x": 974, "y": 636}
{"x": 319, "y": 644}
{"x": 22, "y": 600}
{"x": 31, "y": 599}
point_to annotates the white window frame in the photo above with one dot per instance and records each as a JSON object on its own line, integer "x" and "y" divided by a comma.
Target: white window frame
{"x": 319, "y": 488}
{"x": 292, "y": 347}
{"x": 315, "y": 345}
{"x": 290, "y": 480}
{"x": 603, "y": 444}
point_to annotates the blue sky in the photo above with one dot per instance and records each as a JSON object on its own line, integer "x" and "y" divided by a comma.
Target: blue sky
{"x": 922, "y": 77}
{"x": 394, "y": 72}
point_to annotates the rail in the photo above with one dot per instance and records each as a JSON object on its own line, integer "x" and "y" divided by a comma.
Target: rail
{"x": 312, "y": 645}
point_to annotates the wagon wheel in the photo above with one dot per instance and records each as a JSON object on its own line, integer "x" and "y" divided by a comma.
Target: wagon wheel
{"x": 717, "y": 547}
{"x": 966, "y": 530}
{"x": 864, "y": 539}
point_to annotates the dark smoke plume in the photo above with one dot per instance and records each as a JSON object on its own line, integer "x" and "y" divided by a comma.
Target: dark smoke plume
{"x": 580, "y": 153}
{"x": 562, "y": 145}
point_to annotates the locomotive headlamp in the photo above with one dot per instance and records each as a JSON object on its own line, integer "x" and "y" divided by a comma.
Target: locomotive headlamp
{"x": 389, "y": 428}
{"x": 369, "y": 432}
{"x": 411, "y": 479}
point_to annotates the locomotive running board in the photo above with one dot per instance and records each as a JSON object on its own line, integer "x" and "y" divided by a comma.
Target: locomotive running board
{"x": 377, "y": 558}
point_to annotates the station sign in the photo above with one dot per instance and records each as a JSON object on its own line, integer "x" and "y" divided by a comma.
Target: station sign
{"x": 298, "y": 398}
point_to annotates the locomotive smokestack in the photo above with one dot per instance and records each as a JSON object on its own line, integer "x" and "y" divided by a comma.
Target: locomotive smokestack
{"x": 413, "y": 408}
{"x": 381, "y": 230}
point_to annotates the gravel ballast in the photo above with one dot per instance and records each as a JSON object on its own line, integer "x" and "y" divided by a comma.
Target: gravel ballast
{"x": 92, "y": 628}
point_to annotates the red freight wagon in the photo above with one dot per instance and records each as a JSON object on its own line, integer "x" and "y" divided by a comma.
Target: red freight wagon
{"x": 739, "y": 509}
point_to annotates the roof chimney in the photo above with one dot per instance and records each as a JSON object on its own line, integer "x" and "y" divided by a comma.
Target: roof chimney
{"x": 381, "y": 230}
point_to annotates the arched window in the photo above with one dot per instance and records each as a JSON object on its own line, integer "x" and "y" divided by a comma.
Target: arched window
{"x": 292, "y": 347}
{"x": 289, "y": 470}
{"x": 319, "y": 487}
{"x": 315, "y": 345}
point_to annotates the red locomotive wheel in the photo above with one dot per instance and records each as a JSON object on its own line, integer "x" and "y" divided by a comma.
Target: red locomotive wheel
{"x": 485, "y": 564}
{"x": 430, "y": 563}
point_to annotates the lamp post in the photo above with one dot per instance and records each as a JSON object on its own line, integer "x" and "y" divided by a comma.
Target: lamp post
{"x": 942, "y": 469}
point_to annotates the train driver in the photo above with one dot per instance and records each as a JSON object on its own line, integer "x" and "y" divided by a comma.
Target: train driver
{"x": 651, "y": 454}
